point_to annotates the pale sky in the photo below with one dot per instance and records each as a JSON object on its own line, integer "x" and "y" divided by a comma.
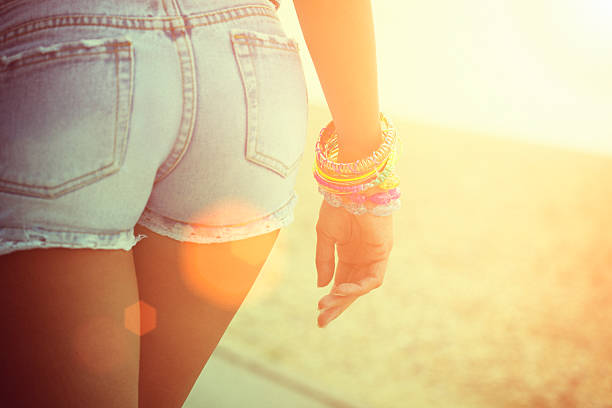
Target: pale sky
{"x": 539, "y": 70}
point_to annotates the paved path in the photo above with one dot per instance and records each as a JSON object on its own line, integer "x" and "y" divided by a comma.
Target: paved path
{"x": 498, "y": 292}
{"x": 232, "y": 379}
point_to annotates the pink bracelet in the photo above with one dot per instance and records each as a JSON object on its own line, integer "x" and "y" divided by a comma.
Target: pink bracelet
{"x": 365, "y": 185}
{"x": 386, "y": 197}
{"x": 381, "y": 198}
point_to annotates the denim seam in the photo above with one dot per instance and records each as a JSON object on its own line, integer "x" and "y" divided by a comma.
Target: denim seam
{"x": 184, "y": 50}
{"x": 176, "y": 6}
{"x": 266, "y": 42}
{"x": 169, "y": 23}
{"x": 9, "y": 5}
{"x": 123, "y": 53}
{"x": 243, "y": 41}
{"x": 165, "y": 7}
{"x": 80, "y": 231}
{"x": 229, "y": 14}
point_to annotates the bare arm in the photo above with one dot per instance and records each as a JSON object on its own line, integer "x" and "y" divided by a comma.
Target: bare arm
{"x": 340, "y": 38}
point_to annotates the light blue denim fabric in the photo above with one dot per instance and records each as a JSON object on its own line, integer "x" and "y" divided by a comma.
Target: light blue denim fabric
{"x": 186, "y": 116}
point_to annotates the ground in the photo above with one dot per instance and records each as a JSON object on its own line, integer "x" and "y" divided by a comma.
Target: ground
{"x": 498, "y": 291}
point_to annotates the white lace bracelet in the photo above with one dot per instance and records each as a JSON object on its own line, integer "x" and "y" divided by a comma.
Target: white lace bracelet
{"x": 380, "y": 210}
{"x": 367, "y": 185}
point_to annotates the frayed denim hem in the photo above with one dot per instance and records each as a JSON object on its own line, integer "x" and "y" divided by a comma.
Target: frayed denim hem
{"x": 208, "y": 234}
{"x": 18, "y": 239}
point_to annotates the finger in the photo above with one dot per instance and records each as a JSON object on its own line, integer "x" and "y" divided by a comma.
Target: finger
{"x": 372, "y": 280}
{"x": 332, "y": 313}
{"x": 330, "y": 300}
{"x": 325, "y": 258}
{"x": 328, "y": 315}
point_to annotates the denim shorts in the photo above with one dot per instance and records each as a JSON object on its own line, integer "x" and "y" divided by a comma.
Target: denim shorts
{"x": 185, "y": 116}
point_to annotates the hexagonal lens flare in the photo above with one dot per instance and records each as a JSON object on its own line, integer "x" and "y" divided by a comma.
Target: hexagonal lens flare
{"x": 140, "y": 318}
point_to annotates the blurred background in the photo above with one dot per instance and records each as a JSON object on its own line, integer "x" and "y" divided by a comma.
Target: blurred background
{"x": 499, "y": 287}
{"x": 538, "y": 70}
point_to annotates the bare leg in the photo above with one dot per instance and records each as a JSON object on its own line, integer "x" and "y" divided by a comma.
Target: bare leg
{"x": 195, "y": 289}
{"x": 63, "y": 341}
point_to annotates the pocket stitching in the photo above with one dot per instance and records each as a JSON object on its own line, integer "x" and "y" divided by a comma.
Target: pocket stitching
{"x": 242, "y": 40}
{"x": 123, "y": 52}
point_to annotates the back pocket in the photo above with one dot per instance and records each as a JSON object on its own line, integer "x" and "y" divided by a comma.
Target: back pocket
{"x": 64, "y": 115}
{"x": 276, "y": 99}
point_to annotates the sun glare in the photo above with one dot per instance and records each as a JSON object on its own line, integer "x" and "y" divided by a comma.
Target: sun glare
{"x": 534, "y": 70}
{"x": 223, "y": 274}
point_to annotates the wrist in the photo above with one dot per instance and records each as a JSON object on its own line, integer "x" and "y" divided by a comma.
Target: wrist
{"x": 355, "y": 144}
{"x": 366, "y": 184}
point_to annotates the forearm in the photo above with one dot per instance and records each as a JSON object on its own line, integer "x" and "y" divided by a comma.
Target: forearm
{"x": 340, "y": 38}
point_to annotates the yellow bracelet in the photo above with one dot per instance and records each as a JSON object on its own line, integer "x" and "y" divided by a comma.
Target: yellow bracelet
{"x": 326, "y": 150}
{"x": 361, "y": 177}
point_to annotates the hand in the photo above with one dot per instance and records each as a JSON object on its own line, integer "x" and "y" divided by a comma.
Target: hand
{"x": 364, "y": 243}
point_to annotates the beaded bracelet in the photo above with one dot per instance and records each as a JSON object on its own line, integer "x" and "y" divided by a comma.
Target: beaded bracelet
{"x": 361, "y": 208}
{"x": 345, "y": 179}
{"x": 384, "y": 178}
{"x": 366, "y": 185}
{"x": 326, "y": 150}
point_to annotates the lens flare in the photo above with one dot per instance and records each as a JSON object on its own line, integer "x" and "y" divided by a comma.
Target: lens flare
{"x": 223, "y": 273}
{"x": 140, "y": 318}
{"x": 207, "y": 275}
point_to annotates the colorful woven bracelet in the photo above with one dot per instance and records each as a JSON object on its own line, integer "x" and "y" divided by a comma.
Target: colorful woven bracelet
{"x": 343, "y": 186}
{"x": 387, "y": 179}
{"x": 366, "y": 185}
{"x": 363, "y": 207}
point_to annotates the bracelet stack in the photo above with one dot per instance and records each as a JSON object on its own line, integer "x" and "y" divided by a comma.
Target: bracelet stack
{"x": 366, "y": 185}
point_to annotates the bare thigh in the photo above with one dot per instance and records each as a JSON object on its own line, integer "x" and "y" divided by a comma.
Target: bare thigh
{"x": 63, "y": 341}
{"x": 195, "y": 290}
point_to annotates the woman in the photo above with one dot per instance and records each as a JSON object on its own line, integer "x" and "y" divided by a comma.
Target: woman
{"x": 179, "y": 124}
